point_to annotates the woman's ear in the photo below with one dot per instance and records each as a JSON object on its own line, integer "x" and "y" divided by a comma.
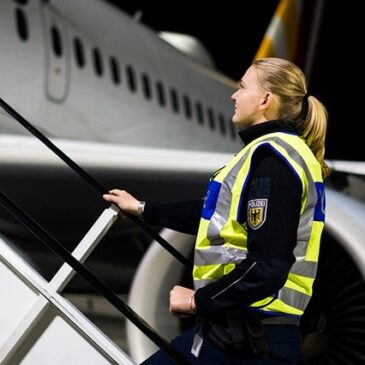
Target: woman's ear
{"x": 269, "y": 106}
{"x": 266, "y": 100}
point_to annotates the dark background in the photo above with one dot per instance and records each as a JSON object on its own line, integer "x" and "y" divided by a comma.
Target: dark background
{"x": 232, "y": 32}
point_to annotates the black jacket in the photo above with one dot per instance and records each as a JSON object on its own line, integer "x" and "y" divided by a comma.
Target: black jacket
{"x": 270, "y": 247}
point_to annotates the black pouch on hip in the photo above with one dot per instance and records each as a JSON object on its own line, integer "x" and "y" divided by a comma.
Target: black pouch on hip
{"x": 254, "y": 332}
{"x": 219, "y": 336}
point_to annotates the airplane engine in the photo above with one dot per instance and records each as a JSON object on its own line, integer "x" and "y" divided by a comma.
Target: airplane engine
{"x": 334, "y": 323}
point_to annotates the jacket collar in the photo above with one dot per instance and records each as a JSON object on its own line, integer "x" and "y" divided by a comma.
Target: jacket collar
{"x": 255, "y": 131}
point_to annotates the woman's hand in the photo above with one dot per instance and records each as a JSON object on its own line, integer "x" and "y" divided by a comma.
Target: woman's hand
{"x": 182, "y": 301}
{"x": 125, "y": 201}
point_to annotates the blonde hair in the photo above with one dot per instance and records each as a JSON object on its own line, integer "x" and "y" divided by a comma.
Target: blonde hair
{"x": 286, "y": 80}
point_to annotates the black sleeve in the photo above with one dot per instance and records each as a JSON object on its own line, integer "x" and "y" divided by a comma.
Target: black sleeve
{"x": 272, "y": 231}
{"x": 182, "y": 216}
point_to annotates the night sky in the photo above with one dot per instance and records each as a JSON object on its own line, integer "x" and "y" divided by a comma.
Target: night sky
{"x": 232, "y": 34}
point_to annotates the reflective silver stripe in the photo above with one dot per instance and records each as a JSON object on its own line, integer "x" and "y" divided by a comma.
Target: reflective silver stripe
{"x": 301, "y": 266}
{"x": 219, "y": 255}
{"x": 236, "y": 281}
{"x": 223, "y": 206}
{"x": 294, "y": 298}
{"x": 305, "y": 223}
{"x": 304, "y": 231}
{"x": 304, "y": 268}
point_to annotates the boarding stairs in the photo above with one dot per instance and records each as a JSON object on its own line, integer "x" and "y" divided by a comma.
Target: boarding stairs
{"x": 38, "y": 325}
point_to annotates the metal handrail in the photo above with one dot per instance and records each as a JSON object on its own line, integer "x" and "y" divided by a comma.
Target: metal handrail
{"x": 92, "y": 181}
{"x": 60, "y": 251}
{"x": 87, "y": 275}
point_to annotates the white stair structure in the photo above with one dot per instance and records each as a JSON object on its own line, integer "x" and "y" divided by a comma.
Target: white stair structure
{"x": 40, "y": 327}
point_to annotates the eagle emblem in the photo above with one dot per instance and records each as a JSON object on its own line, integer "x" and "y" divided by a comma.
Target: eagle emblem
{"x": 256, "y": 214}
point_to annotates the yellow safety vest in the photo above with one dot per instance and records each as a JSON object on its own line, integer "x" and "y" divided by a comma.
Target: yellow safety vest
{"x": 222, "y": 241}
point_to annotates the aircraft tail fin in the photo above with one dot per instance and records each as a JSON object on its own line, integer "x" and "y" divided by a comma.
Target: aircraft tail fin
{"x": 281, "y": 37}
{"x": 293, "y": 31}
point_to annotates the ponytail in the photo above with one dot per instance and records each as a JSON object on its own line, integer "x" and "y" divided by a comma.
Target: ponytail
{"x": 307, "y": 113}
{"x": 314, "y": 129}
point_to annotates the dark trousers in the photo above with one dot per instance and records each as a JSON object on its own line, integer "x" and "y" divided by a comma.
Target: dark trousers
{"x": 285, "y": 343}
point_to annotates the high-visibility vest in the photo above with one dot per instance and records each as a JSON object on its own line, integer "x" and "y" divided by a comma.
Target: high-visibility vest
{"x": 222, "y": 240}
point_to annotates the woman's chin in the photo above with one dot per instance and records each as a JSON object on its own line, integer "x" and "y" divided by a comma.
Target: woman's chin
{"x": 237, "y": 123}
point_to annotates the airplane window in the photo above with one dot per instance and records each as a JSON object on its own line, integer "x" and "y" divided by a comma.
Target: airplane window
{"x": 187, "y": 106}
{"x": 199, "y": 112}
{"x": 131, "y": 78}
{"x": 98, "y": 62}
{"x": 56, "y": 41}
{"x": 161, "y": 97}
{"x": 211, "y": 119}
{"x": 114, "y": 70}
{"x": 233, "y": 130}
{"x": 222, "y": 124}
{"x": 79, "y": 52}
{"x": 174, "y": 100}
{"x": 21, "y": 24}
{"x": 146, "y": 86}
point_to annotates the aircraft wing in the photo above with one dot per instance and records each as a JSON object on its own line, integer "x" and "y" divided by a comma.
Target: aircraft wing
{"x": 67, "y": 206}
{"x": 133, "y": 111}
{"x": 349, "y": 167}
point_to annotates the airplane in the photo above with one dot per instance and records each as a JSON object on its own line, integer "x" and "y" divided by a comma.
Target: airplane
{"x": 140, "y": 114}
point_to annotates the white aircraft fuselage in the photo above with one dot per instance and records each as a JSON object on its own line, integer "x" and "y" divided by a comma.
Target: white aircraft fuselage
{"x": 78, "y": 79}
{"x": 140, "y": 115}
{"x": 122, "y": 102}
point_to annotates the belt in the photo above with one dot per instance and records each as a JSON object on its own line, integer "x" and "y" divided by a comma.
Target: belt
{"x": 280, "y": 320}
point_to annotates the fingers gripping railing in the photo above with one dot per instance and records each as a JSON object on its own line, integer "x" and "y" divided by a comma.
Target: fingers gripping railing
{"x": 56, "y": 247}
{"x": 87, "y": 275}
{"x": 89, "y": 179}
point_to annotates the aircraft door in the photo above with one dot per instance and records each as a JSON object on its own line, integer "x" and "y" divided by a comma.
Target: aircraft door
{"x": 57, "y": 53}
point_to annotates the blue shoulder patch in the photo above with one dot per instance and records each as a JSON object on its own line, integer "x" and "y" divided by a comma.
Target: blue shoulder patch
{"x": 319, "y": 210}
{"x": 210, "y": 201}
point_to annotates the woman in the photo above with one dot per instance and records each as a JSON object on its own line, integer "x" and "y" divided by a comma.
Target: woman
{"x": 258, "y": 230}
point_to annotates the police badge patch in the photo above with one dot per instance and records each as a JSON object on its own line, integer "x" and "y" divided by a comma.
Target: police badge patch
{"x": 256, "y": 214}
